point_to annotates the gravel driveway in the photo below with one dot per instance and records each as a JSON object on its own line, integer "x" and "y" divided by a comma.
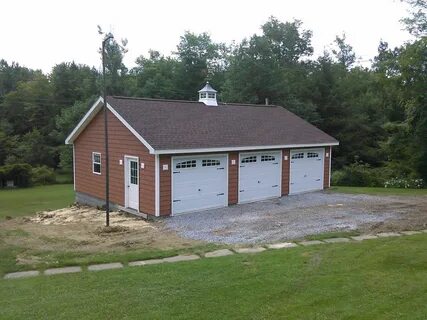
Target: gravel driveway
{"x": 296, "y": 216}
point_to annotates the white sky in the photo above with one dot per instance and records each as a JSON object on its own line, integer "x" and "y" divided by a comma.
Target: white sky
{"x": 40, "y": 34}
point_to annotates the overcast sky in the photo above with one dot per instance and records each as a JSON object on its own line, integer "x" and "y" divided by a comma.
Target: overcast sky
{"x": 40, "y": 34}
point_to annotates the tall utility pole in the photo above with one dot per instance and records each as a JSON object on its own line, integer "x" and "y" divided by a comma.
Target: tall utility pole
{"x": 107, "y": 162}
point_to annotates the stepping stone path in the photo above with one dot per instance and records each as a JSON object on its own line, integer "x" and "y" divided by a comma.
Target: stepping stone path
{"x": 310, "y": 243}
{"x": 22, "y": 274}
{"x": 50, "y": 272}
{"x": 364, "y": 237}
{"x": 105, "y": 266}
{"x": 145, "y": 262}
{"x": 218, "y": 253}
{"x": 181, "y": 258}
{"x": 212, "y": 254}
{"x": 282, "y": 245}
{"x": 388, "y": 234}
{"x": 250, "y": 250}
{"x": 410, "y": 233}
{"x": 335, "y": 240}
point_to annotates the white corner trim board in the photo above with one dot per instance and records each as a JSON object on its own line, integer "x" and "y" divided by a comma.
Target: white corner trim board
{"x": 157, "y": 185}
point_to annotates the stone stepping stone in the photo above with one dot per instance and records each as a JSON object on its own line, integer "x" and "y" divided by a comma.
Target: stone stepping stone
{"x": 310, "y": 243}
{"x": 181, "y": 258}
{"x": 145, "y": 262}
{"x": 388, "y": 234}
{"x": 410, "y": 233}
{"x": 105, "y": 266}
{"x": 282, "y": 245}
{"x": 53, "y": 271}
{"x": 336, "y": 240}
{"x": 22, "y": 274}
{"x": 250, "y": 250}
{"x": 218, "y": 253}
{"x": 364, "y": 237}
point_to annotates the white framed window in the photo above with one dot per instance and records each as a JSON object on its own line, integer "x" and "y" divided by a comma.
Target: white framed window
{"x": 267, "y": 158}
{"x": 202, "y": 95}
{"x": 211, "y": 95}
{"x": 312, "y": 155}
{"x": 96, "y": 162}
{"x": 249, "y": 159}
{"x": 210, "y": 163}
{"x": 299, "y": 155}
{"x": 186, "y": 164}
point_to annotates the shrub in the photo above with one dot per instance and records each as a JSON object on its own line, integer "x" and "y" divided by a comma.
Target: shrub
{"x": 43, "y": 175}
{"x": 358, "y": 175}
{"x": 19, "y": 173}
{"x": 404, "y": 183}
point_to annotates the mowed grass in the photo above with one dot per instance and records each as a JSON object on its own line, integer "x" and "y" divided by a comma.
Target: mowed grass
{"x": 25, "y": 201}
{"x": 375, "y": 279}
{"x": 380, "y": 191}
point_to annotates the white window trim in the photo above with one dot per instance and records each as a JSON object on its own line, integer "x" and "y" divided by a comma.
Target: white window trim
{"x": 100, "y": 163}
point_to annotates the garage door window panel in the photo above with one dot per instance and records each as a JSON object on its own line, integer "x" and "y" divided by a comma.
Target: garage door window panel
{"x": 186, "y": 164}
{"x": 266, "y": 158}
{"x": 210, "y": 163}
{"x": 250, "y": 159}
{"x": 312, "y": 155}
{"x": 299, "y": 155}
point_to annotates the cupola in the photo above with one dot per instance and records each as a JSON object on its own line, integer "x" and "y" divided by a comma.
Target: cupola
{"x": 207, "y": 95}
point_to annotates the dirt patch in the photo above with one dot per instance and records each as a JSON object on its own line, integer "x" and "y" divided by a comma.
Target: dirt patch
{"x": 82, "y": 229}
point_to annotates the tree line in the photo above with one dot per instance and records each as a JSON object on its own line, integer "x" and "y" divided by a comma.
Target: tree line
{"x": 378, "y": 113}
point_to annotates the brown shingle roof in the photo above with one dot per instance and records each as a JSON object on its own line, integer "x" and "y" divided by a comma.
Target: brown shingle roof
{"x": 171, "y": 124}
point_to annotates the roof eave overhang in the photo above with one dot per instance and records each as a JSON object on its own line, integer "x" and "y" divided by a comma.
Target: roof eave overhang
{"x": 93, "y": 111}
{"x": 246, "y": 148}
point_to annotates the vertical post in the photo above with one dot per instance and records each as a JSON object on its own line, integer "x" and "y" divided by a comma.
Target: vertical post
{"x": 107, "y": 160}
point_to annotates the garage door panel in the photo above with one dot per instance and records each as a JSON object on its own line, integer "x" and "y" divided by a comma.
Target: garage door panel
{"x": 200, "y": 185}
{"x": 306, "y": 170}
{"x": 260, "y": 178}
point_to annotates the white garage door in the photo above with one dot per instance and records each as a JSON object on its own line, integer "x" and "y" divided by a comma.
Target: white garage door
{"x": 199, "y": 183}
{"x": 259, "y": 176}
{"x": 306, "y": 170}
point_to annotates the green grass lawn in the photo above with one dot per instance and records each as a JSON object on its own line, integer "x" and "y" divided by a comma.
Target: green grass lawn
{"x": 375, "y": 279}
{"x": 21, "y": 202}
{"x": 380, "y": 191}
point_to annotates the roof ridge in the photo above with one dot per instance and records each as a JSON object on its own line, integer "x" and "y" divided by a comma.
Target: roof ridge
{"x": 236, "y": 104}
{"x": 193, "y": 101}
{"x": 153, "y": 99}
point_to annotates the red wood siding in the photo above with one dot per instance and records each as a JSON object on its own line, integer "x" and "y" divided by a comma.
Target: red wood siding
{"x": 165, "y": 185}
{"x": 233, "y": 177}
{"x": 121, "y": 142}
{"x": 326, "y": 167}
{"x": 285, "y": 171}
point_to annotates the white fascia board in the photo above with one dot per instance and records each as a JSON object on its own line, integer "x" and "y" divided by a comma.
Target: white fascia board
{"x": 97, "y": 106}
{"x": 85, "y": 121}
{"x": 206, "y": 150}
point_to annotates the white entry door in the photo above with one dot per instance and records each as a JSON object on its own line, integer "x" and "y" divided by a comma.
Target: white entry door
{"x": 306, "y": 170}
{"x": 199, "y": 182}
{"x": 132, "y": 183}
{"x": 259, "y": 176}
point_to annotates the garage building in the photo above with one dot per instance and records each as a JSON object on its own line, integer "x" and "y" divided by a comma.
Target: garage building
{"x": 169, "y": 157}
